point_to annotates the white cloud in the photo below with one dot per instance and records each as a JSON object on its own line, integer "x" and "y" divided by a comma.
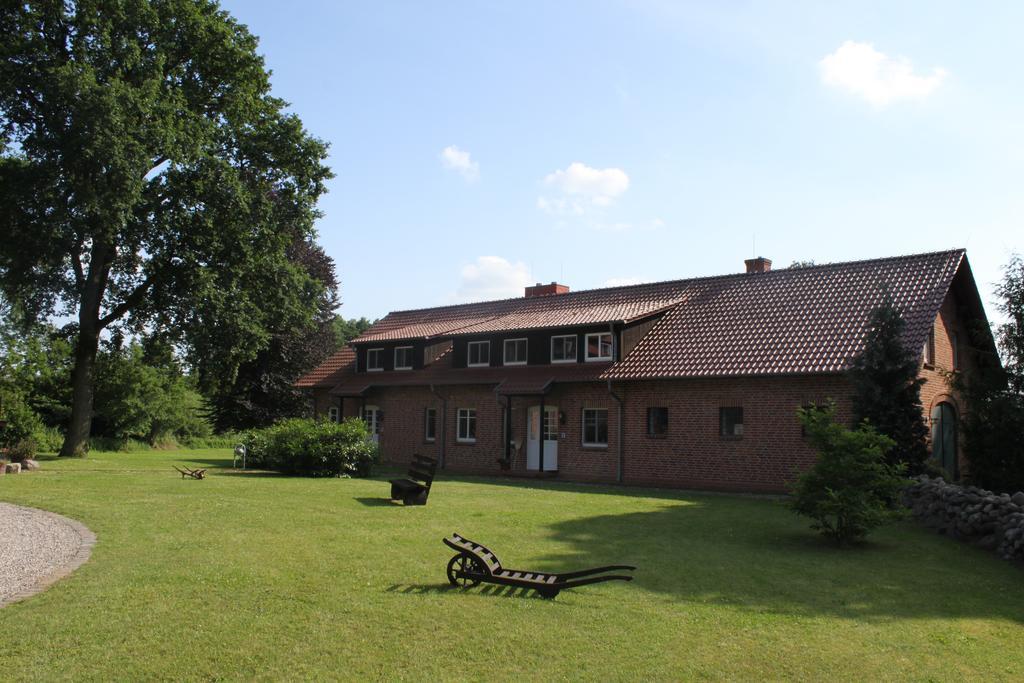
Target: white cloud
{"x": 492, "y": 277}
{"x": 581, "y": 185}
{"x": 455, "y": 159}
{"x": 880, "y": 79}
{"x": 624, "y": 281}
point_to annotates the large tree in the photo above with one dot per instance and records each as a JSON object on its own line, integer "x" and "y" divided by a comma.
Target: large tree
{"x": 263, "y": 388}
{"x": 149, "y": 179}
{"x": 993, "y": 390}
{"x": 887, "y": 388}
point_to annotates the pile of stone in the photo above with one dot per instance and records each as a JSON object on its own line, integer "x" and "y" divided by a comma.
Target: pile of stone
{"x": 18, "y": 467}
{"x": 990, "y": 520}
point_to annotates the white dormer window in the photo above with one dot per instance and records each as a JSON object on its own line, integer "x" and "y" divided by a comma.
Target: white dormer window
{"x": 599, "y": 346}
{"x": 478, "y": 354}
{"x": 563, "y": 349}
{"x": 374, "y": 360}
{"x": 403, "y": 358}
{"x": 515, "y": 352}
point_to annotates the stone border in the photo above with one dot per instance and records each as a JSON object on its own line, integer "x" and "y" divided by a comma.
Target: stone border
{"x": 88, "y": 540}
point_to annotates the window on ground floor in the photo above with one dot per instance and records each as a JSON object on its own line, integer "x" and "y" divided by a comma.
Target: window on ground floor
{"x": 811, "y": 406}
{"x": 595, "y": 427}
{"x": 333, "y": 414}
{"x": 657, "y": 422}
{"x": 430, "y": 424}
{"x": 466, "y": 425}
{"x": 730, "y": 422}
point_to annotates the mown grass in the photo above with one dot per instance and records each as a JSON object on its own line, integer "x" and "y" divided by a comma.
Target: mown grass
{"x": 254, "y": 576}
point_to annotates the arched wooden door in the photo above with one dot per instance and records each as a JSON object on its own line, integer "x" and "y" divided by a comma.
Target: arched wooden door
{"x": 944, "y": 438}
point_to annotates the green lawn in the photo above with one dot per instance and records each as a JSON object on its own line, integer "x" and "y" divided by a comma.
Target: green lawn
{"x": 246, "y": 576}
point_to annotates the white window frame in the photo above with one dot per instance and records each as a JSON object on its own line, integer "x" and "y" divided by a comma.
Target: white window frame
{"x": 470, "y": 415}
{"x": 403, "y": 367}
{"x": 381, "y": 355}
{"x": 470, "y": 345}
{"x": 611, "y": 346}
{"x": 564, "y": 360}
{"x": 583, "y": 422}
{"x": 427, "y": 421}
{"x": 333, "y": 414}
{"x": 526, "y": 351}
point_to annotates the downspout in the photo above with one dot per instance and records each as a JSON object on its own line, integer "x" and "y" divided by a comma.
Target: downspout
{"x": 506, "y": 403}
{"x": 444, "y": 425}
{"x": 622, "y": 406}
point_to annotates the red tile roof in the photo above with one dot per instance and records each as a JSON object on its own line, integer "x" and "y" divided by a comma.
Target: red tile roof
{"x": 331, "y": 371}
{"x": 586, "y": 307}
{"x": 795, "y": 320}
{"x": 787, "y": 321}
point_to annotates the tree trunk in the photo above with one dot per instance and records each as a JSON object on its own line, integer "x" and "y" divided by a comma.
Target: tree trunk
{"x": 81, "y": 393}
{"x": 86, "y": 346}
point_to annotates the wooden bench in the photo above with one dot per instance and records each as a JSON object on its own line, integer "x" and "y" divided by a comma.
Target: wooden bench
{"x": 414, "y": 489}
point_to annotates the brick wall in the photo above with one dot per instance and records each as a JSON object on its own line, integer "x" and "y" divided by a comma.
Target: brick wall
{"x": 936, "y": 388}
{"x": 692, "y": 454}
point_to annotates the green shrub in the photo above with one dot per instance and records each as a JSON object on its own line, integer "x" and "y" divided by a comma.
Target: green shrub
{"x": 851, "y": 489}
{"x": 313, "y": 448}
{"x": 22, "y": 450}
{"x": 21, "y": 422}
{"x": 48, "y": 439}
{"x": 225, "y": 440}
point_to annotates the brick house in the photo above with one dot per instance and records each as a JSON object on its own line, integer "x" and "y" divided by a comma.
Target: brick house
{"x": 690, "y": 383}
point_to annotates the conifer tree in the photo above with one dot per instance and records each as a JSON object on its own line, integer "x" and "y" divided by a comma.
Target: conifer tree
{"x": 887, "y": 388}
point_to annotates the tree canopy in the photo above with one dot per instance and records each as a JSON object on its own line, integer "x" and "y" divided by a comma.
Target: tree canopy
{"x": 993, "y": 390}
{"x": 887, "y": 388}
{"x": 263, "y": 390}
{"x": 149, "y": 179}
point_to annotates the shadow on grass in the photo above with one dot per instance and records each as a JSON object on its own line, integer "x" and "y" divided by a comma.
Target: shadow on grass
{"x": 552, "y": 484}
{"x": 219, "y": 463}
{"x": 378, "y": 502}
{"x": 757, "y": 557}
{"x": 489, "y": 589}
{"x": 247, "y": 473}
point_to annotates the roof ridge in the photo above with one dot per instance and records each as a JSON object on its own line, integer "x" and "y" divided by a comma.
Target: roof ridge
{"x": 701, "y": 278}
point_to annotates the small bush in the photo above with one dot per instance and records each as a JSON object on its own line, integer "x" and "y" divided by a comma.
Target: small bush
{"x": 313, "y": 448}
{"x": 22, "y": 451}
{"x": 21, "y": 422}
{"x": 109, "y": 443}
{"x": 225, "y": 440}
{"x": 851, "y": 489}
{"x": 48, "y": 439}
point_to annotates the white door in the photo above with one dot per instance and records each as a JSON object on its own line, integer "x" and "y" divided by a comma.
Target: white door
{"x": 371, "y": 415}
{"x": 549, "y": 432}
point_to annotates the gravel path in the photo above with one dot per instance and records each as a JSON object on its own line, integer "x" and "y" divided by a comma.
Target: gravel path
{"x": 38, "y": 548}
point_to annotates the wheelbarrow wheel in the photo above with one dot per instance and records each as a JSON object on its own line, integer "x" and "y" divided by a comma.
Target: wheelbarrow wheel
{"x": 465, "y": 564}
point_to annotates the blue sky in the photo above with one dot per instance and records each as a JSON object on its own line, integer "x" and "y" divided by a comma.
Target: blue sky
{"x": 481, "y": 146}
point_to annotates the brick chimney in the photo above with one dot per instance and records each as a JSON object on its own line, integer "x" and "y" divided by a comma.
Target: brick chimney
{"x": 546, "y": 290}
{"x": 758, "y": 265}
